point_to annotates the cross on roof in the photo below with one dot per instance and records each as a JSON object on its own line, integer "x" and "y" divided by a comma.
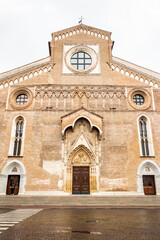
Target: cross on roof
{"x": 80, "y": 21}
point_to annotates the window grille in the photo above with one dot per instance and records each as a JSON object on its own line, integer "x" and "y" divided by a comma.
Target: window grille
{"x": 22, "y": 99}
{"x": 138, "y": 99}
{"x": 81, "y": 61}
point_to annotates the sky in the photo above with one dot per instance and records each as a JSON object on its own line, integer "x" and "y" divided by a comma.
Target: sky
{"x": 26, "y": 27}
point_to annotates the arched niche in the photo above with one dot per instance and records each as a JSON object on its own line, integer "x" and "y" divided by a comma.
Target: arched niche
{"x": 13, "y": 167}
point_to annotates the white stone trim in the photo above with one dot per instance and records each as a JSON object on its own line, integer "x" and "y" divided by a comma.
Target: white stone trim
{"x": 155, "y": 170}
{"x": 92, "y": 50}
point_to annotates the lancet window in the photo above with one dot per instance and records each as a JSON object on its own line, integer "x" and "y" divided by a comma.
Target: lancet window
{"x": 145, "y": 137}
{"x": 18, "y": 137}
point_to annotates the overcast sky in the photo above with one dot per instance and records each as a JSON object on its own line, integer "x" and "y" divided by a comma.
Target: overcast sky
{"x": 26, "y": 27}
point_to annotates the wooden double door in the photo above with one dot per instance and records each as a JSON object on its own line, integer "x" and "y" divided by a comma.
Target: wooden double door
{"x": 80, "y": 183}
{"x": 149, "y": 185}
{"x": 13, "y": 185}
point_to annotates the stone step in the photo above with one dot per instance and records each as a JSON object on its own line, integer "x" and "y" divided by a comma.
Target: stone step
{"x": 79, "y": 201}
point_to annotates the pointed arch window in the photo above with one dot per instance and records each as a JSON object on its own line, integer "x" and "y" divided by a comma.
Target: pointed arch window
{"x": 17, "y": 137}
{"x": 145, "y": 137}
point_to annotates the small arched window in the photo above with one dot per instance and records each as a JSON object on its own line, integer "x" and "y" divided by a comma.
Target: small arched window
{"x": 145, "y": 137}
{"x": 18, "y": 137}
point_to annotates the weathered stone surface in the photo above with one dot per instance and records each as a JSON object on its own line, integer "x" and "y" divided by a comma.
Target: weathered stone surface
{"x": 74, "y": 115}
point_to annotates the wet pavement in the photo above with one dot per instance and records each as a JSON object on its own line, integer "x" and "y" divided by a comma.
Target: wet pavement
{"x": 5, "y": 210}
{"x": 77, "y": 224}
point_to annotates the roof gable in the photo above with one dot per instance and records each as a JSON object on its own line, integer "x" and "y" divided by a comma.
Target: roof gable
{"x": 78, "y": 29}
{"x": 135, "y": 72}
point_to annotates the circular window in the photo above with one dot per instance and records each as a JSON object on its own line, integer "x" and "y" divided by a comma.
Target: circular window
{"x": 138, "y": 99}
{"x": 22, "y": 99}
{"x": 81, "y": 61}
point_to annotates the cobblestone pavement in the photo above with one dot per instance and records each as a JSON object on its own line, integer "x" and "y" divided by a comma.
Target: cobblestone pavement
{"x": 77, "y": 224}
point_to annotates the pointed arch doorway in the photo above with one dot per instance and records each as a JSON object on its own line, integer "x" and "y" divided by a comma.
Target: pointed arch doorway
{"x": 81, "y": 172}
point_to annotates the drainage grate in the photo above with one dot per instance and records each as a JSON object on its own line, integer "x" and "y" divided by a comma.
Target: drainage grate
{"x": 90, "y": 221}
{"x": 96, "y": 233}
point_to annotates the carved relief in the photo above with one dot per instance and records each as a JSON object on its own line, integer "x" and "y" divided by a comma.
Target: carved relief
{"x": 80, "y": 157}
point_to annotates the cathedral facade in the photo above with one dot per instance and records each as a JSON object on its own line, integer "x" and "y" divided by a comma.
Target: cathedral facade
{"x": 80, "y": 121}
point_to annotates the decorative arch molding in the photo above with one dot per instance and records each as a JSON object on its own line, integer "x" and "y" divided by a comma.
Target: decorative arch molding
{"x": 13, "y": 167}
{"x": 148, "y": 167}
{"x": 94, "y": 120}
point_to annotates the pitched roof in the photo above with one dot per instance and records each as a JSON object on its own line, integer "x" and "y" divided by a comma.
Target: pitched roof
{"x": 24, "y": 69}
{"x": 135, "y": 68}
{"x": 84, "y": 27}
